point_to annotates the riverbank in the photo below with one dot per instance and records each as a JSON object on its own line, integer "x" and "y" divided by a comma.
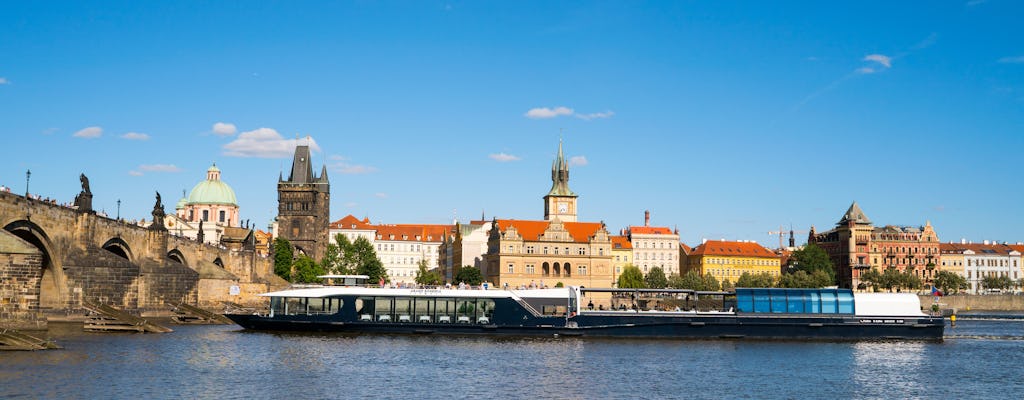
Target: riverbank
{"x": 987, "y": 302}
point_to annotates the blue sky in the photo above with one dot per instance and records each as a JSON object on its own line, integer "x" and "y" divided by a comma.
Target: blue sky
{"x": 724, "y": 119}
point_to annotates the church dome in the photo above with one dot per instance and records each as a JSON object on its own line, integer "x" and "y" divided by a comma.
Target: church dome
{"x": 212, "y": 190}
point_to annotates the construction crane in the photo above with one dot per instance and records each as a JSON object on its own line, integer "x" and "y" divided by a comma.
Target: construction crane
{"x": 782, "y": 233}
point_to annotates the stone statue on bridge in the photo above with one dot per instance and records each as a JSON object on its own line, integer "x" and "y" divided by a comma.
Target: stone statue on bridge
{"x": 158, "y": 215}
{"x": 83, "y": 201}
{"x": 200, "y": 236}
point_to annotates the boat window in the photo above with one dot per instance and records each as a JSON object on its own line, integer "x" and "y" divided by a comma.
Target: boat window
{"x": 778, "y": 301}
{"x": 796, "y": 300}
{"x": 403, "y": 308}
{"x": 813, "y": 303}
{"x": 365, "y": 306}
{"x": 845, "y": 302}
{"x": 382, "y": 308}
{"x": 828, "y": 302}
{"x": 761, "y": 301}
{"x": 328, "y": 305}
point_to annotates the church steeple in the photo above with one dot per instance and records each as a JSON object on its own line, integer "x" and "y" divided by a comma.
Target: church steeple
{"x": 560, "y": 175}
{"x": 560, "y": 202}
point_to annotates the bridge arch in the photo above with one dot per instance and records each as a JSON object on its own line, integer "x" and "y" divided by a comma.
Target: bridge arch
{"x": 53, "y": 284}
{"x": 177, "y": 256}
{"x": 119, "y": 247}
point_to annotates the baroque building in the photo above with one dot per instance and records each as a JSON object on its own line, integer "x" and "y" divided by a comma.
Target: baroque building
{"x": 210, "y": 208}
{"x": 728, "y": 260}
{"x": 465, "y": 245}
{"x": 304, "y": 206}
{"x": 557, "y": 249}
{"x": 855, "y": 245}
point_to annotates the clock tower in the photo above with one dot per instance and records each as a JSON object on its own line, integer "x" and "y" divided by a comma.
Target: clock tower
{"x": 560, "y": 202}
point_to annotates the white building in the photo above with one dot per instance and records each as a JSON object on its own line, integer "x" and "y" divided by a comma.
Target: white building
{"x": 654, "y": 246}
{"x": 980, "y": 260}
{"x": 210, "y": 206}
{"x": 467, "y": 245}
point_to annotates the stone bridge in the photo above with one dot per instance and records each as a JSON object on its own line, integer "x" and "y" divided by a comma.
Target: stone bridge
{"x": 52, "y": 258}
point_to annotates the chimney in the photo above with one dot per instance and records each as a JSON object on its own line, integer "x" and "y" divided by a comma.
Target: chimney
{"x": 963, "y": 241}
{"x": 647, "y": 218}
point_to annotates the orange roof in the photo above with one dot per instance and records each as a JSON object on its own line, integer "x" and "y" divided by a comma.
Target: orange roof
{"x": 620, "y": 242}
{"x": 408, "y": 233}
{"x": 738, "y": 249}
{"x": 650, "y": 230}
{"x": 531, "y": 230}
{"x": 977, "y": 248}
{"x": 686, "y": 249}
{"x": 351, "y": 222}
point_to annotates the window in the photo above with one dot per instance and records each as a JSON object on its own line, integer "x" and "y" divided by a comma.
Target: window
{"x": 222, "y": 214}
{"x": 206, "y": 215}
{"x": 511, "y": 268}
{"x": 582, "y": 269}
{"x": 530, "y": 269}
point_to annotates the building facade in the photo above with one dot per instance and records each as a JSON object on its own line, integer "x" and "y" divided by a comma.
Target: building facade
{"x": 622, "y": 255}
{"x": 654, "y": 246}
{"x": 466, "y": 245}
{"x": 210, "y": 208}
{"x": 401, "y": 248}
{"x": 976, "y": 261}
{"x": 352, "y": 228}
{"x": 304, "y": 206}
{"x": 558, "y": 249}
{"x": 855, "y": 246}
{"x": 728, "y": 260}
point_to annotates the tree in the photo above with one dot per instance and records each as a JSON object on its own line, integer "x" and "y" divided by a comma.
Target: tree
{"x": 813, "y": 258}
{"x": 331, "y": 263}
{"x": 283, "y": 258}
{"x": 760, "y": 280}
{"x": 631, "y": 278}
{"x": 996, "y": 282}
{"x": 690, "y": 280}
{"x": 950, "y": 282}
{"x": 426, "y": 277}
{"x": 656, "y": 279}
{"x": 307, "y": 270}
{"x": 709, "y": 283}
{"x": 469, "y": 275}
{"x": 361, "y": 258}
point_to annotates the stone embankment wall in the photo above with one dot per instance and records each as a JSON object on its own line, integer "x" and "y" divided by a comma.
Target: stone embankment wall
{"x": 998, "y": 302}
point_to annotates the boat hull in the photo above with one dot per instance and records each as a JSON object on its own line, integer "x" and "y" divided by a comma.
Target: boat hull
{"x": 610, "y": 325}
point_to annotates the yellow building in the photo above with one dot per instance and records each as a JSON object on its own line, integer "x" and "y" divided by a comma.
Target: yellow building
{"x": 622, "y": 255}
{"x": 726, "y": 260}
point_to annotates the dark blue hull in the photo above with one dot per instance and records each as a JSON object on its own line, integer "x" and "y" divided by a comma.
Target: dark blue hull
{"x": 631, "y": 325}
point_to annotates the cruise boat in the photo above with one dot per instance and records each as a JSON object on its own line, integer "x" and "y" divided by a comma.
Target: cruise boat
{"x": 829, "y": 314}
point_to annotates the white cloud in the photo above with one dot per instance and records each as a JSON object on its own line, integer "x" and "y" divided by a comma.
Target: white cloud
{"x": 4, "y": 81}
{"x": 349, "y": 169}
{"x": 159, "y": 168}
{"x": 879, "y": 58}
{"x": 224, "y": 129}
{"x": 588, "y": 117}
{"x": 380, "y": 195}
{"x": 502, "y": 157}
{"x": 1012, "y": 60}
{"x": 578, "y": 161}
{"x": 265, "y": 143}
{"x": 89, "y": 133}
{"x": 341, "y": 164}
{"x": 134, "y": 173}
{"x": 544, "y": 112}
{"x": 865, "y": 70}
{"x": 135, "y": 136}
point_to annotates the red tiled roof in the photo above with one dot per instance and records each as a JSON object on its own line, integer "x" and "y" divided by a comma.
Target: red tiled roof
{"x": 650, "y": 230}
{"x": 620, "y": 242}
{"x": 349, "y": 221}
{"x": 408, "y": 233}
{"x": 978, "y": 248}
{"x": 686, "y": 249}
{"x": 531, "y": 230}
{"x": 726, "y": 248}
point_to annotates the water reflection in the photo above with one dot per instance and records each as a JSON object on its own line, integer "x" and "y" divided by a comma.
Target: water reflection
{"x": 225, "y": 362}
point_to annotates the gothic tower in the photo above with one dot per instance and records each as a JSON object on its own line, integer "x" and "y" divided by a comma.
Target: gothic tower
{"x": 304, "y": 206}
{"x": 560, "y": 202}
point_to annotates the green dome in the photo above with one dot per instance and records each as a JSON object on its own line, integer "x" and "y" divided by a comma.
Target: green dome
{"x": 212, "y": 190}
{"x": 181, "y": 203}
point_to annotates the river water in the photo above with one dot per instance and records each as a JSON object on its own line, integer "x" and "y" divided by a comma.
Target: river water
{"x": 978, "y": 359}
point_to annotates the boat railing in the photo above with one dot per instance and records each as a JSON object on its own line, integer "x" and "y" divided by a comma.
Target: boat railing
{"x": 526, "y": 305}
